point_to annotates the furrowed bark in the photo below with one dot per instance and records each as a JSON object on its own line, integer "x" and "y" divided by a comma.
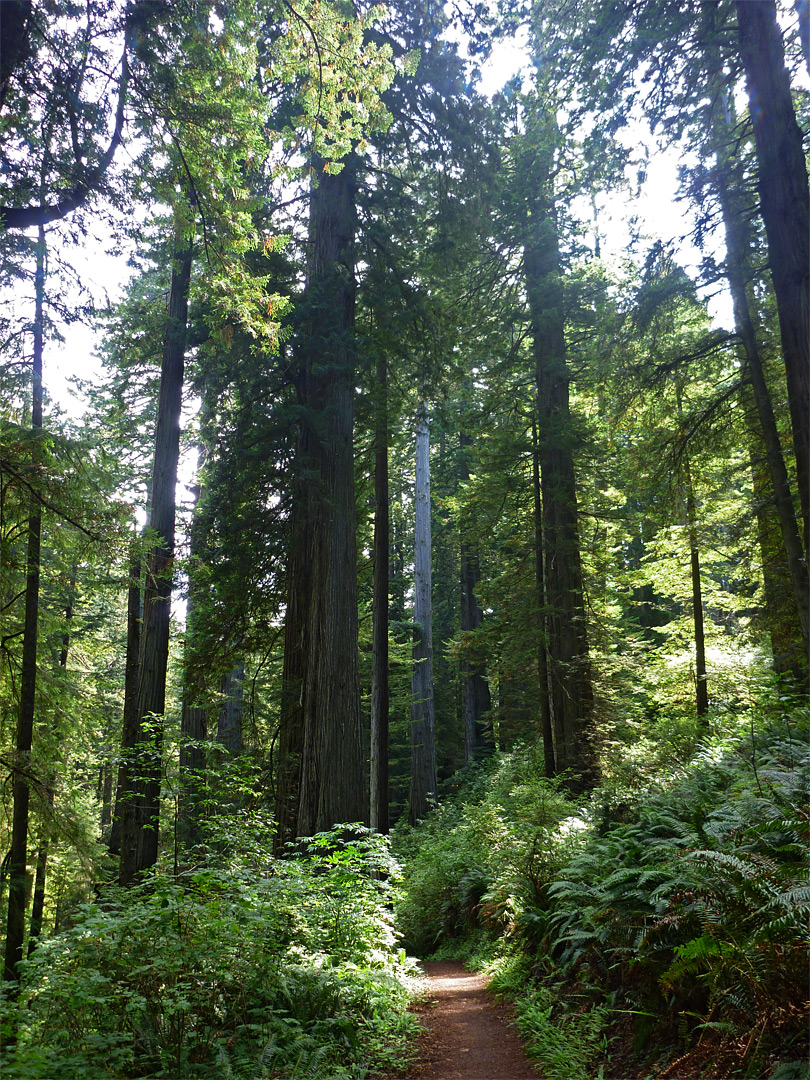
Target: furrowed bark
{"x": 140, "y": 795}
{"x": 378, "y": 776}
{"x": 423, "y": 737}
{"x": 785, "y": 207}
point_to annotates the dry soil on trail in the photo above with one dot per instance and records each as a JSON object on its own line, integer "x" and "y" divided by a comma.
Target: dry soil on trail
{"x": 467, "y": 1035}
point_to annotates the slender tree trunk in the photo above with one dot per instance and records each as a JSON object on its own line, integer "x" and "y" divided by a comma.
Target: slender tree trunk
{"x": 378, "y": 776}
{"x": 332, "y": 781}
{"x": 539, "y": 581}
{"x": 140, "y": 796}
{"x": 193, "y": 716}
{"x": 131, "y": 720}
{"x": 21, "y": 792}
{"x": 568, "y": 656}
{"x": 701, "y": 678}
{"x": 785, "y": 206}
{"x": 291, "y": 726}
{"x": 298, "y": 587}
{"x": 229, "y": 721}
{"x": 477, "y": 698}
{"x": 106, "y": 795}
{"x": 40, "y": 877}
{"x": 423, "y": 735}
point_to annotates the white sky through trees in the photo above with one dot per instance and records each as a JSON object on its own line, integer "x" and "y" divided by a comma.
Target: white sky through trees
{"x": 658, "y": 213}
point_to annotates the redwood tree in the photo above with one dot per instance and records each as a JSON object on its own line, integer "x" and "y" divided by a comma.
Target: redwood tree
{"x": 423, "y": 733}
{"x": 321, "y": 780}
{"x": 140, "y": 786}
{"x": 568, "y": 658}
{"x": 785, "y": 207}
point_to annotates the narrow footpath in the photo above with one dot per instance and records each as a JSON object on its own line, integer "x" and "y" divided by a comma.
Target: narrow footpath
{"x": 467, "y": 1035}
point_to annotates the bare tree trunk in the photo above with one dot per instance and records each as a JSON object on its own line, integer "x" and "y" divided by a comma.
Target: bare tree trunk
{"x": 568, "y": 655}
{"x": 477, "y": 698}
{"x": 229, "y": 721}
{"x": 332, "y": 780}
{"x": 423, "y": 736}
{"x": 785, "y": 206}
{"x": 193, "y": 715}
{"x": 701, "y": 678}
{"x": 21, "y": 792}
{"x": 40, "y": 877}
{"x": 140, "y": 795}
{"x": 549, "y": 764}
{"x": 131, "y": 721}
{"x": 106, "y": 794}
{"x": 378, "y": 774}
{"x": 291, "y": 725}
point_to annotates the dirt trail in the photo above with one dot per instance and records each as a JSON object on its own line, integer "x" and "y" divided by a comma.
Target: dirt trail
{"x": 466, "y": 1036}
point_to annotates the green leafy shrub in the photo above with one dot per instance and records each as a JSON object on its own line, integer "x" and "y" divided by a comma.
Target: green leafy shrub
{"x": 680, "y": 915}
{"x": 268, "y": 967}
{"x": 481, "y": 859}
{"x": 699, "y": 908}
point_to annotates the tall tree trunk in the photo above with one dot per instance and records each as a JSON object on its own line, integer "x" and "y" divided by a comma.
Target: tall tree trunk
{"x": 781, "y": 617}
{"x": 331, "y": 778}
{"x": 701, "y": 678}
{"x": 21, "y": 792}
{"x": 106, "y": 795}
{"x": 569, "y": 661}
{"x": 193, "y": 715}
{"x": 549, "y": 764}
{"x": 736, "y": 269}
{"x": 423, "y": 734}
{"x": 131, "y": 720}
{"x": 229, "y": 720}
{"x": 785, "y": 206}
{"x": 477, "y": 698}
{"x": 40, "y": 877}
{"x": 380, "y": 697}
{"x": 140, "y": 795}
{"x": 291, "y": 725}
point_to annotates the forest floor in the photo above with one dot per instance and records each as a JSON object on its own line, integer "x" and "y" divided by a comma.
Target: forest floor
{"x": 466, "y": 1035}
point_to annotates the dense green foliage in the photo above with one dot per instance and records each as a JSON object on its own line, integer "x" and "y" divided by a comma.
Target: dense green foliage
{"x": 242, "y": 963}
{"x": 668, "y": 914}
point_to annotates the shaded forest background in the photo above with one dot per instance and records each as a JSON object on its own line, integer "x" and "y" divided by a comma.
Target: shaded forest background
{"x": 493, "y": 543}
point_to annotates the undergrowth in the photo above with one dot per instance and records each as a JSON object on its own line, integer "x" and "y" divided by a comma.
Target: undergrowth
{"x": 675, "y": 924}
{"x": 262, "y": 968}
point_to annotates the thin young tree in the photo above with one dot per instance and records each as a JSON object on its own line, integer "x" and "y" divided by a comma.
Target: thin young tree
{"x": 423, "y": 724}
{"x": 380, "y": 691}
{"x": 21, "y": 790}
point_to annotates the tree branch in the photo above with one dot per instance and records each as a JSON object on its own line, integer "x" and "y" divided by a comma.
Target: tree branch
{"x": 24, "y": 217}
